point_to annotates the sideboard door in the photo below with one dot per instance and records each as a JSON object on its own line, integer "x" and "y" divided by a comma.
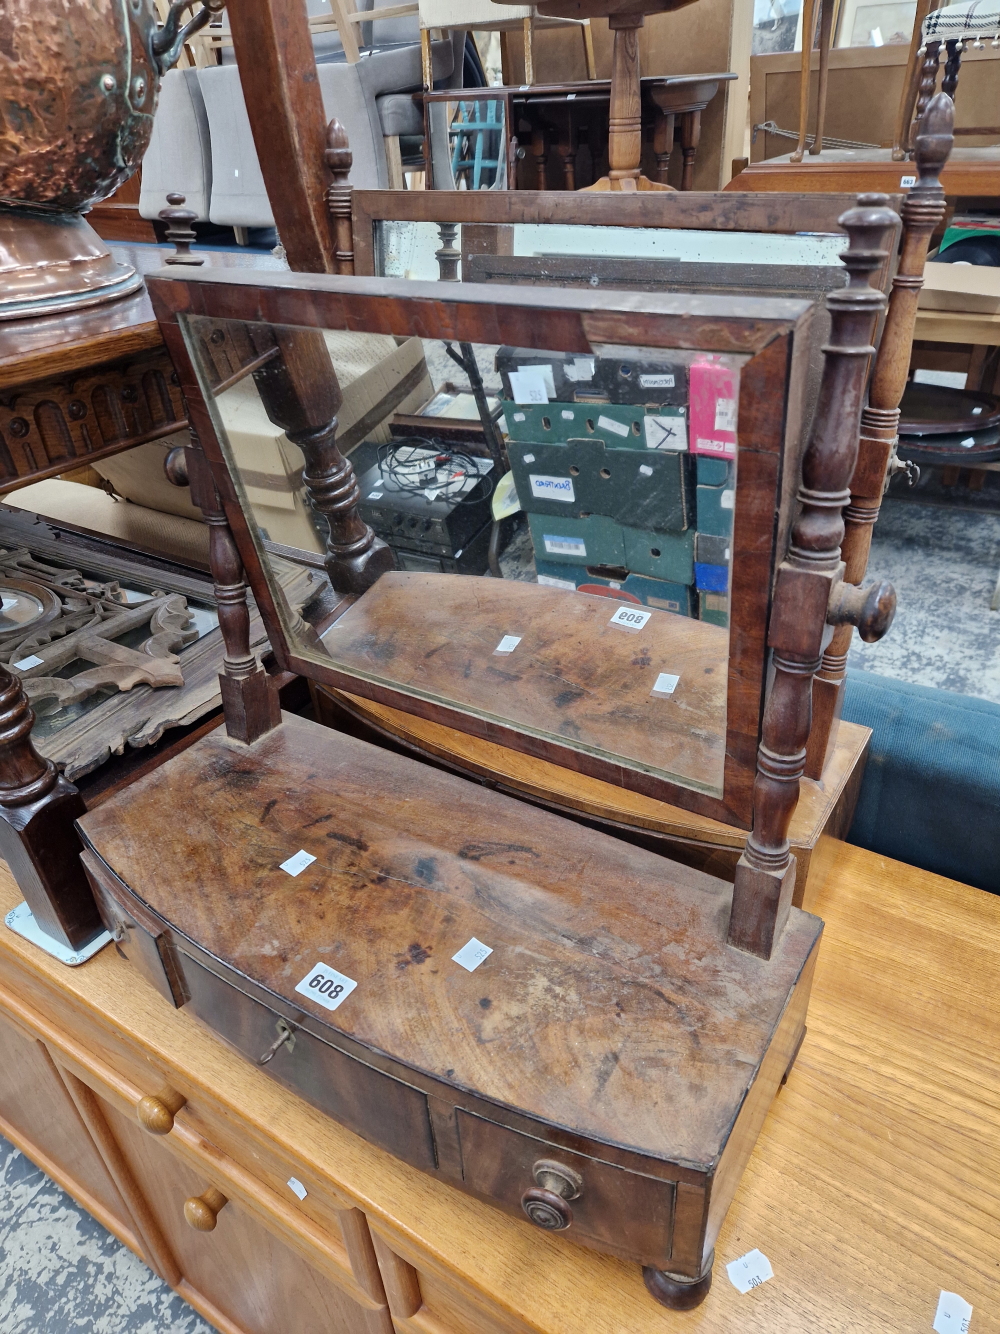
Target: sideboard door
{"x": 39, "y": 1116}
{"x": 238, "y": 1268}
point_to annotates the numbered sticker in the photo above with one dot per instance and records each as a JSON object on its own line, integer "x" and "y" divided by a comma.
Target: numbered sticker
{"x": 471, "y": 955}
{"x": 24, "y": 664}
{"x": 296, "y": 1187}
{"x": 907, "y": 182}
{"x": 326, "y": 986}
{"x": 297, "y": 864}
{"x": 374, "y": 495}
{"x": 630, "y": 618}
{"x": 954, "y": 1314}
{"x": 528, "y": 386}
{"x": 665, "y": 684}
{"x": 508, "y": 644}
{"x": 749, "y": 1271}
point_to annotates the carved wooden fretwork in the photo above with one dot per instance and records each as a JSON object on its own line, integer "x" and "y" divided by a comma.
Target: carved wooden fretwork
{"x": 53, "y": 426}
{"x": 53, "y": 617}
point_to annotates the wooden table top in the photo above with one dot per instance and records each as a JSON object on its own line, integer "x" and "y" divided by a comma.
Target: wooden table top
{"x": 958, "y": 326}
{"x": 34, "y": 349}
{"x": 875, "y": 1182}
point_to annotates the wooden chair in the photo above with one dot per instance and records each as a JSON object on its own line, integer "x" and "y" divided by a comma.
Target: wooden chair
{"x": 923, "y": 211}
{"x": 485, "y": 16}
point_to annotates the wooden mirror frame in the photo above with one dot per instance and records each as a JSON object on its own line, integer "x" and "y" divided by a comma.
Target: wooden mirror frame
{"x": 770, "y": 333}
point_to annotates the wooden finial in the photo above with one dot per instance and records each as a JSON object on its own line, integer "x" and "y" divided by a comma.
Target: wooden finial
{"x": 339, "y": 159}
{"x": 933, "y": 143}
{"x": 808, "y": 584}
{"x": 180, "y": 231}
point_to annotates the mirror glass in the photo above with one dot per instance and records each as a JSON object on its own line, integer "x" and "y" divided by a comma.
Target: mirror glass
{"x": 561, "y": 527}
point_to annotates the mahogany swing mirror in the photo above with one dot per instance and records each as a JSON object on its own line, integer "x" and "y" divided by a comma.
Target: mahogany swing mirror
{"x": 659, "y": 433}
{"x": 575, "y": 1029}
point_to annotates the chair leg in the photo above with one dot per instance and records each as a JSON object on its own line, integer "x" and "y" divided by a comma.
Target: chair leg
{"x": 588, "y": 49}
{"x": 904, "y": 117}
{"x": 825, "y": 33}
{"x": 394, "y": 162}
{"x": 426, "y": 59}
{"x": 928, "y": 78}
{"x": 529, "y": 55}
{"x": 690, "y": 135}
{"x": 808, "y": 32}
{"x": 663, "y": 144}
{"x": 949, "y": 84}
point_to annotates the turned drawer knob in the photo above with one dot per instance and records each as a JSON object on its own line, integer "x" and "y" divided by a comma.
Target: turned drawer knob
{"x": 201, "y": 1211}
{"x": 156, "y": 1113}
{"x": 546, "y": 1209}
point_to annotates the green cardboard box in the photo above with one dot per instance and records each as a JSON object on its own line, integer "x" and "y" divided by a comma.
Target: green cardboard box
{"x": 650, "y": 592}
{"x": 667, "y": 556}
{"x": 595, "y": 540}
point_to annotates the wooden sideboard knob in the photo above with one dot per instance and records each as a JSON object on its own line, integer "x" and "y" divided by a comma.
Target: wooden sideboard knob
{"x": 201, "y": 1211}
{"x": 156, "y": 1113}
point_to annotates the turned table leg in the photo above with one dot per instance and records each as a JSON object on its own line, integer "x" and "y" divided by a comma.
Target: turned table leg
{"x": 690, "y": 138}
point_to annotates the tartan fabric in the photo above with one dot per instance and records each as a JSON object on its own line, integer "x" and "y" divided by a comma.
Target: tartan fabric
{"x": 971, "y": 19}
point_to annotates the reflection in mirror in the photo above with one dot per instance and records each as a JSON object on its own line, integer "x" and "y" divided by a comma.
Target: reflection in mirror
{"x": 538, "y": 539}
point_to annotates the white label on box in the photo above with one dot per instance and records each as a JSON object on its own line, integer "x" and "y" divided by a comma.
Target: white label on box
{"x": 326, "y": 986}
{"x": 725, "y": 414}
{"x": 607, "y": 424}
{"x": 580, "y": 368}
{"x": 565, "y": 546}
{"x": 551, "y": 488}
{"x": 297, "y": 864}
{"x": 529, "y": 458}
{"x": 374, "y": 495}
{"x": 656, "y": 381}
{"x": 907, "y": 182}
{"x": 508, "y": 644}
{"x": 471, "y": 955}
{"x": 665, "y": 684}
{"x": 630, "y": 618}
{"x": 566, "y": 415}
{"x": 549, "y": 582}
{"x": 519, "y": 416}
{"x": 749, "y": 1271}
{"x": 727, "y": 500}
{"x": 666, "y": 433}
{"x": 953, "y": 1314}
{"x": 645, "y": 470}
{"x": 296, "y": 1187}
{"x": 528, "y": 386}
{"x": 31, "y": 660}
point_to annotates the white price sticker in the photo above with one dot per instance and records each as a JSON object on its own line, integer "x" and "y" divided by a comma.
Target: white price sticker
{"x": 565, "y": 546}
{"x": 665, "y": 684}
{"x": 552, "y": 488}
{"x": 567, "y": 416}
{"x": 749, "y": 1271}
{"x": 666, "y": 432}
{"x": 609, "y": 424}
{"x": 659, "y": 381}
{"x": 471, "y": 955}
{"x": 550, "y": 582}
{"x": 528, "y": 458}
{"x": 519, "y": 416}
{"x": 23, "y": 664}
{"x": 326, "y": 986}
{"x": 645, "y": 470}
{"x": 508, "y": 644}
{"x": 528, "y": 386}
{"x": 907, "y": 182}
{"x": 297, "y": 864}
{"x": 953, "y": 1315}
{"x": 725, "y": 414}
{"x": 374, "y": 495}
{"x": 296, "y": 1187}
{"x": 630, "y": 618}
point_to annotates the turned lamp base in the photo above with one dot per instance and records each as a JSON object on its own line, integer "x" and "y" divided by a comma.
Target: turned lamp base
{"x": 55, "y": 262}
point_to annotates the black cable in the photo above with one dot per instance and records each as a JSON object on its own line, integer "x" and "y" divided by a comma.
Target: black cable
{"x": 398, "y": 468}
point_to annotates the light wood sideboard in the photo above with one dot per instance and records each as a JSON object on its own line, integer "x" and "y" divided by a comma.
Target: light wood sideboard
{"x": 875, "y": 1182}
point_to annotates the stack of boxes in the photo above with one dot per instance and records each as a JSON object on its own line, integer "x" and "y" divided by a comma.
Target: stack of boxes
{"x": 614, "y": 462}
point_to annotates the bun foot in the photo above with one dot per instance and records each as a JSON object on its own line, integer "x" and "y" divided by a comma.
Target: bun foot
{"x": 676, "y": 1291}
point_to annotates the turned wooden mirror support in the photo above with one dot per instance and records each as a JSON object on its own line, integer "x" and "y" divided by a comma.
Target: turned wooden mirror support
{"x": 922, "y": 213}
{"x": 811, "y": 592}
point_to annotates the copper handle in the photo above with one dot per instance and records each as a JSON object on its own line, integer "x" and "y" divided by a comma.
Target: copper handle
{"x": 156, "y": 1112}
{"x": 546, "y": 1209}
{"x": 202, "y": 1211}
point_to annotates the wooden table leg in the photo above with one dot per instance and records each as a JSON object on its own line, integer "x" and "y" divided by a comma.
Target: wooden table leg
{"x": 625, "y": 120}
{"x": 690, "y": 137}
{"x": 808, "y": 30}
{"x": 825, "y": 33}
{"x": 663, "y": 143}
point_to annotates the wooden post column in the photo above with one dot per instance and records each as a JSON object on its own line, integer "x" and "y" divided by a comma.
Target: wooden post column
{"x": 922, "y": 212}
{"x": 339, "y": 160}
{"x": 301, "y": 394}
{"x": 809, "y": 588}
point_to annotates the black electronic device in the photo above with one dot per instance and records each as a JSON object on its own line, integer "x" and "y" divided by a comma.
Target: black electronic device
{"x": 430, "y": 502}
{"x": 572, "y": 378}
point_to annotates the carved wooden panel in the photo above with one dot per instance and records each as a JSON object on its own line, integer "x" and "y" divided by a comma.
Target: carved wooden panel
{"x": 55, "y": 425}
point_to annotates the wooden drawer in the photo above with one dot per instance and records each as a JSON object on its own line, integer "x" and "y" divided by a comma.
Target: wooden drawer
{"x": 500, "y": 1164}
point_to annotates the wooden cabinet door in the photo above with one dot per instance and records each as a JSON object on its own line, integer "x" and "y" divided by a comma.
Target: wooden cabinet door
{"x": 39, "y": 1116}
{"x": 239, "y": 1271}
